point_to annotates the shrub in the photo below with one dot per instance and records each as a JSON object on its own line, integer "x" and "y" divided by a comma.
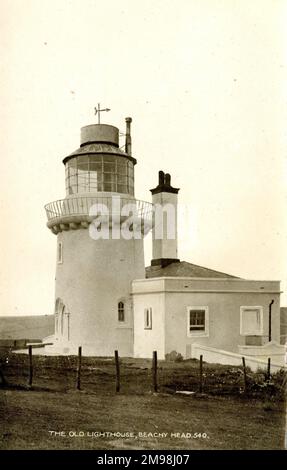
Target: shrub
{"x": 174, "y": 356}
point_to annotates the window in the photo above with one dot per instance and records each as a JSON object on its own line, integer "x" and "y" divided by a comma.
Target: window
{"x": 62, "y": 320}
{"x": 60, "y": 253}
{"x": 251, "y": 320}
{"x": 121, "y": 311}
{"x": 197, "y": 321}
{"x": 90, "y": 173}
{"x": 59, "y": 307}
{"x": 148, "y": 318}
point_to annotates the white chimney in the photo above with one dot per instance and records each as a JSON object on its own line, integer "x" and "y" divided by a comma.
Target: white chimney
{"x": 164, "y": 245}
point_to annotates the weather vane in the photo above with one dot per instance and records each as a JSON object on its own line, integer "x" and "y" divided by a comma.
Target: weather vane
{"x": 98, "y": 111}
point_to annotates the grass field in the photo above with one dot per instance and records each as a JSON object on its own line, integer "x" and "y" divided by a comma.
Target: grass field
{"x": 221, "y": 418}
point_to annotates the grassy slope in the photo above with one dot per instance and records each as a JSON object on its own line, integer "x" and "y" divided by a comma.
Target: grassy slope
{"x": 231, "y": 422}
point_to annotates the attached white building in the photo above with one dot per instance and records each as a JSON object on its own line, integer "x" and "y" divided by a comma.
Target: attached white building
{"x": 182, "y": 305}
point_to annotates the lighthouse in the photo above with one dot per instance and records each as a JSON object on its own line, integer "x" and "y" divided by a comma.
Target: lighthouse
{"x": 99, "y": 250}
{"x": 105, "y": 298}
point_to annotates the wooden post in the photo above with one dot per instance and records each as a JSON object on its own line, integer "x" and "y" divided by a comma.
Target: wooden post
{"x": 244, "y": 374}
{"x": 154, "y": 369}
{"x": 117, "y": 362}
{"x": 269, "y": 368}
{"x": 200, "y": 374}
{"x": 79, "y": 368}
{"x": 3, "y": 380}
{"x": 30, "y": 366}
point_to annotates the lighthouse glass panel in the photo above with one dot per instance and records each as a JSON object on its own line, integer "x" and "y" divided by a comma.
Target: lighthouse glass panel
{"x": 96, "y": 173}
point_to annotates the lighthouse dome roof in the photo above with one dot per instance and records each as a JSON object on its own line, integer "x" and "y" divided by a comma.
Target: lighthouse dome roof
{"x": 98, "y": 148}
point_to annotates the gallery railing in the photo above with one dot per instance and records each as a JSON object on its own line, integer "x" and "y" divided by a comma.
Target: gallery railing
{"x": 81, "y": 205}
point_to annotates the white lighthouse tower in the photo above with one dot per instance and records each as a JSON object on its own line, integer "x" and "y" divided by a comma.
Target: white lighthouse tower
{"x": 93, "y": 306}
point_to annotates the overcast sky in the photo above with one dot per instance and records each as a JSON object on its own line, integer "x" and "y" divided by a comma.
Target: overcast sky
{"x": 205, "y": 83}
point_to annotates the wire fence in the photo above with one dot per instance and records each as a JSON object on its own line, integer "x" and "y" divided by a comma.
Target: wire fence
{"x": 137, "y": 376}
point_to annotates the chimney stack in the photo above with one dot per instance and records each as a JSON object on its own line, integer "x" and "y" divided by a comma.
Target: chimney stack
{"x": 128, "y": 146}
{"x": 164, "y": 198}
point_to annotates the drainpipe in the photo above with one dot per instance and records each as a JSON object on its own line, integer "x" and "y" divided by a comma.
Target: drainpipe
{"x": 270, "y": 307}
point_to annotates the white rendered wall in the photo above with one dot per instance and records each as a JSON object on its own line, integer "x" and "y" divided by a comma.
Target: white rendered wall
{"x": 148, "y": 340}
{"x": 224, "y": 319}
{"x": 94, "y": 276}
{"x": 218, "y": 356}
{"x": 223, "y": 297}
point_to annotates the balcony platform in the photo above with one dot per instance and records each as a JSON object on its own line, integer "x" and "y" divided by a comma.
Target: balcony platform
{"x": 79, "y": 211}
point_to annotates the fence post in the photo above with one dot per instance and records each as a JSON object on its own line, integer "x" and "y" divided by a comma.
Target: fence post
{"x": 244, "y": 374}
{"x": 2, "y": 377}
{"x": 154, "y": 369}
{"x": 200, "y": 373}
{"x": 117, "y": 362}
{"x": 79, "y": 368}
{"x": 269, "y": 368}
{"x": 30, "y": 366}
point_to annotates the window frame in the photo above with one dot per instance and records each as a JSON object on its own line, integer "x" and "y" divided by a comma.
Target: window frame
{"x": 148, "y": 318}
{"x": 114, "y": 174}
{"x": 121, "y": 310}
{"x": 60, "y": 253}
{"x": 260, "y": 331}
{"x": 197, "y": 333}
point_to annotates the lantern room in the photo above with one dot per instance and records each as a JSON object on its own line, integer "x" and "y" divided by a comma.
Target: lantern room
{"x": 100, "y": 165}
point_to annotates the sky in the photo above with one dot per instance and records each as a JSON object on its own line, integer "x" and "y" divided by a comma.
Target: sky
{"x": 206, "y": 85}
